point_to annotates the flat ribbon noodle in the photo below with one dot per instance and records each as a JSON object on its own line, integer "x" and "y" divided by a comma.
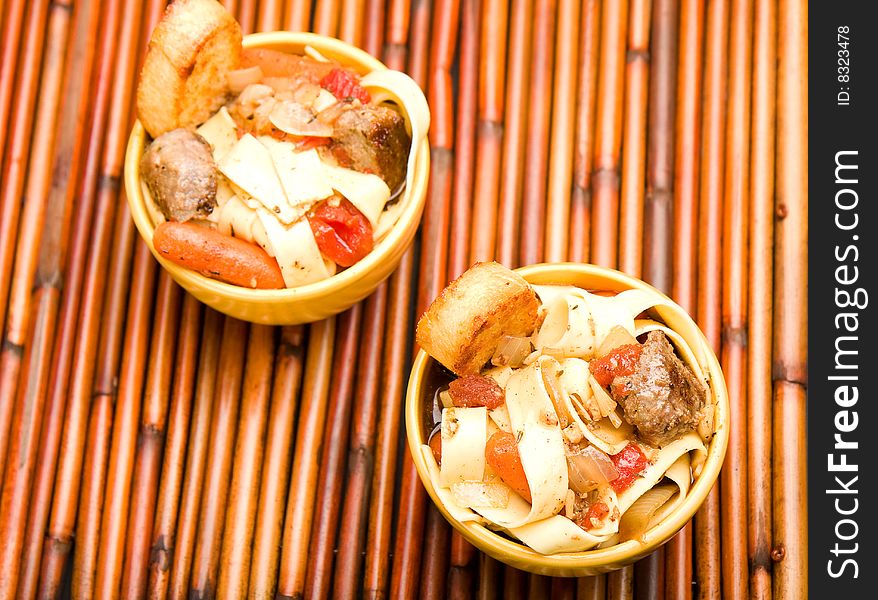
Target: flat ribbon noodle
{"x": 556, "y": 534}
{"x": 460, "y": 513}
{"x": 540, "y": 445}
{"x": 464, "y": 434}
{"x": 567, "y": 329}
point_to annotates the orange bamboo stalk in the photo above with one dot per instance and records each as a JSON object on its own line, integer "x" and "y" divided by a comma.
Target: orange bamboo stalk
{"x": 300, "y": 503}
{"x": 12, "y": 27}
{"x": 151, "y": 438}
{"x": 620, "y": 584}
{"x": 707, "y": 543}
{"x": 533, "y": 199}
{"x": 270, "y": 15}
{"x": 649, "y": 575}
{"x": 276, "y": 466}
{"x": 538, "y": 586}
{"x": 373, "y": 27}
{"x": 350, "y": 29}
{"x": 64, "y": 191}
{"x": 327, "y": 519}
{"x": 492, "y": 63}
{"x": 361, "y": 450}
{"x": 591, "y": 588}
{"x": 434, "y": 568}
{"x": 173, "y": 579}
{"x": 562, "y": 134}
{"x": 396, "y": 35}
{"x": 217, "y": 475}
{"x": 381, "y": 507}
{"x": 246, "y": 15}
{"x": 761, "y": 302}
{"x": 563, "y": 588}
{"x": 735, "y": 296}
{"x": 15, "y": 178}
{"x": 586, "y": 95}
{"x": 634, "y": 138}
{"x": 298, "y": 15}
{"x": 326, "y": 17}
{"x": 687, "y": 154}
{"x": 514, "y": 583}
{"x": 608, "y": 135}
{"x": 164, "y": 529}
{"x": 243, "y": 496}
{"x": 789, "y": 467}
{"x": 464, "y": 145}
{"x": 462, "y": 555}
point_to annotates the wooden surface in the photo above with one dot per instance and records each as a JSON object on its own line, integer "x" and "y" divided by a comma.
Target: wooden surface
{"x": 152, "y": 447}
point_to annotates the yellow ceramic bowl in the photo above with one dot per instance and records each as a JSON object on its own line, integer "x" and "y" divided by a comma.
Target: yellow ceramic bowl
{"x": 314, "y": 301}
{"x": 591, "y": 562}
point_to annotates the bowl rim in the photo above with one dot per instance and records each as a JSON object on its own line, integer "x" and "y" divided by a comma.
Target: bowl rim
{"x": 409, "y": 216}
{"x": 596, "y": 560}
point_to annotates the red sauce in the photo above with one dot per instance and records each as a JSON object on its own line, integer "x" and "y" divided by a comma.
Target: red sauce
{"x": 630, "y": 462}
{"x": 475, "y": 390}
{"x": 619, "y": 362}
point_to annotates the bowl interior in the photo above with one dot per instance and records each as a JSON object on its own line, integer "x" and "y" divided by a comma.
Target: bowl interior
{"x": 590, "y": 562}
{"x": 312, "y": 301}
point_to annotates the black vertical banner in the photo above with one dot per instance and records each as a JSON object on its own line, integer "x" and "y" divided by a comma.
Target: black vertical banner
{"x": 843, "y": 300}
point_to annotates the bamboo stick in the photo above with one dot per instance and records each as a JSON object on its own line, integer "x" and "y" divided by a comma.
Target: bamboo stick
{"x": 608, "y": 137}
{"x": 164, "y": 528}
{"x": 350, "y": 29}
{"x": 649, "y": 575}
{"x": 563, "y": 588}
{"x": 12, "y": 28}
{"x": 276, "y": 466}
{"x": 396, "y": 36}
{"x": 434, "y": 568}
{"x": 412, "y": 497}
{"x": 789, "y": 464}
{"x": 65, "y": 189}
{"x": 373, "y": 27}
{"x": 533, "y": 200}
{"x": 173, "y": 579}
{"x": 217, "y": 474}
{"x": 707, "y": 543}
{"x": 492, "y": 63}
{"x": 464, "y": 143}
{"x": 634, "y": 138}
{"x": 298, "y": 15}
{"x": 761, "y": 302}
{"x": 489, "y": 571}
{"x": 327, "y": 513}
{"x": 300, "y": 502}
{"x": 326, "y": 17}
{"x": 561, "y": 142}
{"x": 586, "y": 95}
{"x": 13, "y": 261}
{"x": 591, "y": 588}
{"x": 243, "y": 496}
{"x": 361, "y": 450}
{"x": 734, "y": 306}
{"x": 620, "y": 584}
{"x": 270, "y": 15}
{"x": 151, "y": 438}
{"x": 376, "y": 578}
{"x": 246, "y": 15}
{"x": 538, "y": 586}
{"x": 515, "y": 583}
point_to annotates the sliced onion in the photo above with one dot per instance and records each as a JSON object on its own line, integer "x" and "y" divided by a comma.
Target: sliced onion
{"x": 293, "y": 118}
{"x": 605, "y": 404}
{"x": 618, "y": 336}
{"x": 511, "y": 351}
{"x": 329, "y": 114}
{"x": 480, "y": 494}
{"x": 638, "y": 518}
{"x": 589, "y": 468}
{"x": 553, "y": 387}
{"x": 238, "y": 79}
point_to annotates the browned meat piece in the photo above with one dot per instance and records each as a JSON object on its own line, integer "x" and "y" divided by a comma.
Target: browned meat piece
{"x": 662, "y": 398}
{"x": 181, "y": 175}
{"x": 372, "y": 139}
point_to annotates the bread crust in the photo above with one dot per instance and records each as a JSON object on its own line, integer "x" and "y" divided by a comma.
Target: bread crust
{"x": 464, "y": 324}
{"x": 182, "y": 81}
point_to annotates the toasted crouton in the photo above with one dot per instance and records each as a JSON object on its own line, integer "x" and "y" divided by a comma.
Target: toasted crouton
{"x": 183, "y": 77}
{"x": 462, "y": 327}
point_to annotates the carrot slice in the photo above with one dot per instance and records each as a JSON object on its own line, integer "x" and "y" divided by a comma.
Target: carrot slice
{"x": 501, "y": 453}
{"x": 217, "y": 255}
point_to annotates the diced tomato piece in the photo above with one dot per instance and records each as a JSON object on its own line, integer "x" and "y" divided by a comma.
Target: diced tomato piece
{"x": 436, "y": 447}
{"x": 594, "y": 516}
{"x": 311, "y": 142}
{"x": 630, "y": 462}
{"x": 476, "y": 390}
{"x": 501, "y": 454}
{"x": 620, "y": 361}
{"x": 343, "y": 84}
{"x": 343, "y": 233}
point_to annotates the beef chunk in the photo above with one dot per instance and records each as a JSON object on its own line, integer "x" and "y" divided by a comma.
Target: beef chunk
{"x": 662, "y": 398}
{"x": 372, "y": 139}
{"x": 181, "y": 175}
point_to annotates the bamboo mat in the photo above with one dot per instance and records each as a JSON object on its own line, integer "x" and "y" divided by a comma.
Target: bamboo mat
{"x": 148, "y": 444}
